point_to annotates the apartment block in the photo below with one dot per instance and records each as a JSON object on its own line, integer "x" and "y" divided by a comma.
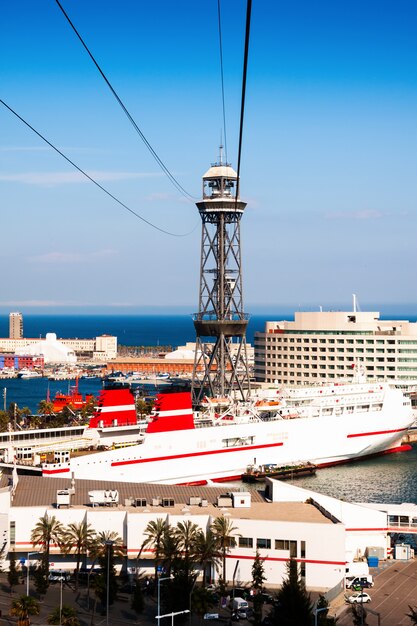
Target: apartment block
{"x": 327, "y": 345}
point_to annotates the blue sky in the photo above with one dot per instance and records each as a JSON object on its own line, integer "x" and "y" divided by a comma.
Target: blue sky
{"x": 328, "y": 164}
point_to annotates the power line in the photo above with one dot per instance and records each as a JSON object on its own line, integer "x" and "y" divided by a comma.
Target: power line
{"x": 222, "y": 78}
{"x": 128, "y": 115}
{"x": 242, "y": 106}
{"x": 143, "y": 219}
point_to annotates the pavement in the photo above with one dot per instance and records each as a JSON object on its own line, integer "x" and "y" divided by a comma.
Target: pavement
{"x": 394, "y": 590}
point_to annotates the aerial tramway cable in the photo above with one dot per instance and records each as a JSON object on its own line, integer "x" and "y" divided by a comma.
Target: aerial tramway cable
{"x": 242, "y": 105}
{"x": 162, "y": 165}
{"x": 222, "y": 76}
{"x": 143, "y": 219}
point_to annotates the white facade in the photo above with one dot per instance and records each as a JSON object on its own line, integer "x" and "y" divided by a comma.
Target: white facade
{"x": 276, "y": 530}
{"x": 325, "y": 346}
{"x": 104, "y": 347}
{"x": 52, "y": 350}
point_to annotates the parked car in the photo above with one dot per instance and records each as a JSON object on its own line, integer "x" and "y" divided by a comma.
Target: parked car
{"x": 242, "y": 614}
{"x": 267, "y": 598}
{"x": 359, "y": 598}
{"x": 364, "y": 582}
{"x": 56, "y": 575}
{"x": 211, "y": 616}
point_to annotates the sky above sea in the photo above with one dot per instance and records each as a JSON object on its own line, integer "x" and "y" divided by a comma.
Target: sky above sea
{"x": 329, "y": 150}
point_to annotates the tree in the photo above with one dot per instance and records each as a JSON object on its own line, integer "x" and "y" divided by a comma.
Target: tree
{"x": 22, "y": 607}
{"x": 45, "y": 407}
{"x": 206, "y": 552}
{"x": 107, "y": 546}
{"x": 412, "y": 614}
{"x": 138, "y": 602}
{"x": 223, "y": 530}
{"x": 65, "y": 616}
{"x": 185, "y": 535}
{"x": 293, "y": 606}
{"x": 78, "y": 538}
{"x": 154, "y": 532}
{"x": 358, "y": 615}
{"x": 258, "y": 579}
{"x": 47, "y": 530}
{"x": 41, "y": 578}
{"x": 12, "y": 574}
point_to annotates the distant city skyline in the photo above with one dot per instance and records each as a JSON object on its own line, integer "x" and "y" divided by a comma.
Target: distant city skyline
{"x": 328, "y": 163}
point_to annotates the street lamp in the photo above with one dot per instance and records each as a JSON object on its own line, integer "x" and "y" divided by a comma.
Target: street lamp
{"x": 158, "y": 617}
{"x": 109, "y": 544}
{"x": 27, "y": 571}
{"x": 171, "y": 615}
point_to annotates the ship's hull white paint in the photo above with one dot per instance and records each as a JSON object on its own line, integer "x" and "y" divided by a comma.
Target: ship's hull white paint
{"x": 200, "y": 454}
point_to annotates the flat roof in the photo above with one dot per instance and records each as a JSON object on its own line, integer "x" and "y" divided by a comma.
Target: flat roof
{"x": 37, "y": 491}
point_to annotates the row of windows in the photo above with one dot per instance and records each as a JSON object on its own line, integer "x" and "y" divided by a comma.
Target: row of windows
{"x": 279, "y": 544}
{"x": 280, "y": 339}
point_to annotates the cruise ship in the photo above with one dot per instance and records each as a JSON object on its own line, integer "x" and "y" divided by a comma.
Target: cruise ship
{"x": 324, "y": 425}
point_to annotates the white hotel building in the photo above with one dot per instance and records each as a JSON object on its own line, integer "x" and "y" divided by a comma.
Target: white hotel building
{"x": 323, "y": 346}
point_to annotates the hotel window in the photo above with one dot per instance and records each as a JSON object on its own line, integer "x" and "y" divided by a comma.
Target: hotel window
{"x": 263, "y": 543}
{"x": 12, "y": 533}
{"x": 245, "y": 542}
{"x": 285, "y": 544}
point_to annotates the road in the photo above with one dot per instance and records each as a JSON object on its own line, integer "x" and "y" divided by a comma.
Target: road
{"x": 395, "y": 589}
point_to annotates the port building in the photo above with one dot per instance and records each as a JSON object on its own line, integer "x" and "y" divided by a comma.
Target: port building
{"x": 324, "y": 346}
{"x": 323, "y": 534}
{"x": 102, "y": 348}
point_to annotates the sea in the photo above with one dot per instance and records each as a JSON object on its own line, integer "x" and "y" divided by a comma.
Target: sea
{"x": 390, "y": 478}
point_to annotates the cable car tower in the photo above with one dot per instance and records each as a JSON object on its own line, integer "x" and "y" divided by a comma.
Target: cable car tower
{"x": 220, "y": 364}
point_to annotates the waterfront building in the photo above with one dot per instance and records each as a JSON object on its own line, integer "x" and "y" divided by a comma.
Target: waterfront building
{"x": 327, "y": 345}
{"x": 278, "y": 529}
{"x": 101, "y": 348}
{"x": 15, "y": 325}
{"x": 323, "y": 534}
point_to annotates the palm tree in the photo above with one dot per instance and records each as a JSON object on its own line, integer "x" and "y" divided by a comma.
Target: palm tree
{"x": 47, "y": 530}
{"x": 154, "y": 532}
{"x": 22, "y": 607}
{"x": 186, "y": 534}
{"x": 45, "y": 407}
{"x": 65, "y": 616}
{"x": 412, "y": 614}
{"x": 223, "y": 530}
{"x": 78, "y": 538}
{"x": 206, "y": 550}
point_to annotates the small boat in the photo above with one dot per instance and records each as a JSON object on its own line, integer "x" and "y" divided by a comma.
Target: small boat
{"x": 26, "y": 374}
{"x": 74, "y": 399}
{"x": 258, "y": 474}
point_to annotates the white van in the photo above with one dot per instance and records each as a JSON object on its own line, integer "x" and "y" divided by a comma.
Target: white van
{"x": 239, "y": 604}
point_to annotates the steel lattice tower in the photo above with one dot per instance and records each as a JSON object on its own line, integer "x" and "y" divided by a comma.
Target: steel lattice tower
{"x": 220, "y": 367}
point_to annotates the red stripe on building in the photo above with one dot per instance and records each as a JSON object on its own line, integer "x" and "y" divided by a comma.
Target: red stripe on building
{"x": 195, "y": 454}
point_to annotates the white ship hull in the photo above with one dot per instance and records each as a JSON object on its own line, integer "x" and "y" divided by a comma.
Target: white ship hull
{"x": 223, "y": 451}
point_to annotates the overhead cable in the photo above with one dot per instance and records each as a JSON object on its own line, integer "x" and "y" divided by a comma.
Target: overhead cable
{"x": 122, "y": 204}
{"x": 242, "y": 105}
{"x": 162, "y": 165}
{"x": 222, "y": 77}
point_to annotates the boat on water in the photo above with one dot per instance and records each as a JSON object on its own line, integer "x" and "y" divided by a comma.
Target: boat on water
{"x": 27, "y": 374}
{"x": 324, "y": 425}
{"x": 73, "y": 399}
{"x": 256, "y": 474}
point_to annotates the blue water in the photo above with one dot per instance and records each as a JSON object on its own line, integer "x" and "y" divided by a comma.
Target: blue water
{"x": 136, "y": 330}
{"x": 131, "y": 330}
{"x": 391, "y": 478}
